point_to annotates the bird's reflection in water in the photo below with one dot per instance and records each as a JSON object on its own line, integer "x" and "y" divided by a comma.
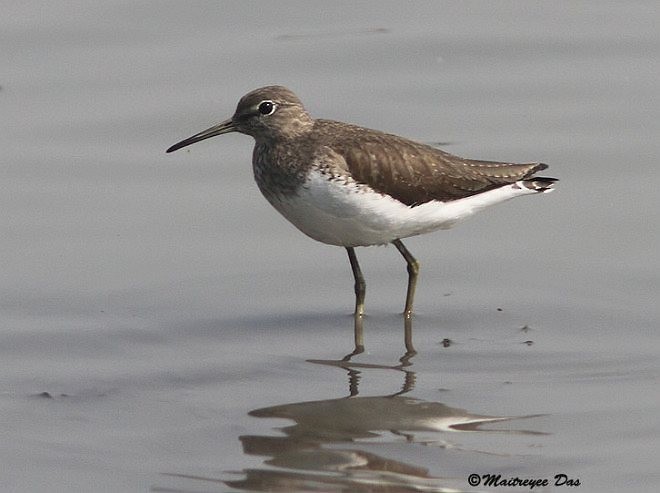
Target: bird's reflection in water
{"x": 325, "y": 449}
{"x": 353, "y": 368}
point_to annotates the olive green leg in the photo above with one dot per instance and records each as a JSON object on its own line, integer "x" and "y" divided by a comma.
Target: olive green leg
{"x": 413, "y": 271}
{"x": 360, "y": 285}
{"x": 360, "y": 290}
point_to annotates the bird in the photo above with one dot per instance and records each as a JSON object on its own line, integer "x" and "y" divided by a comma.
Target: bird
{"x": 350, "y": 186}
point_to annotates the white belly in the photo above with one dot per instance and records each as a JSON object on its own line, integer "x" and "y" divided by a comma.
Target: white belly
{"x": 351, "y": 214}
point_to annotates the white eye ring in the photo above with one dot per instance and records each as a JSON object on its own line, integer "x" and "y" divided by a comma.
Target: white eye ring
{"x": 266, "y": 107}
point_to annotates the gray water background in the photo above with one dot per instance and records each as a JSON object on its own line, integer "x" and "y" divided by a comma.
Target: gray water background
{"x": 149, "y": 302}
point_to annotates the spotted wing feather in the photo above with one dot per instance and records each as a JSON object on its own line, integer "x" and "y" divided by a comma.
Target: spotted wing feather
{"x": 415, "y": 173}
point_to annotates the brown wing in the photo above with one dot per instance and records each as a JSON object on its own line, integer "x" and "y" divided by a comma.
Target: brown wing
{"x": 415, "y": 173}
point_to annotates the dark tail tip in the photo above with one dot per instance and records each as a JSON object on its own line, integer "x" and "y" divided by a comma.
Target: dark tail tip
{"x": 539, "y": 183}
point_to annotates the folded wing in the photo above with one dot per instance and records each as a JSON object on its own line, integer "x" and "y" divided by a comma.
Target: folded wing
{"x": 415, "y": 173}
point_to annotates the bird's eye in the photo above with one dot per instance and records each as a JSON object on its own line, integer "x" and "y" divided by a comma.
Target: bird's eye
{"x": 266, "y": 107}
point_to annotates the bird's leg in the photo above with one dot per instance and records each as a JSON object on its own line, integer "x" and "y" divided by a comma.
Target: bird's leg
{"x": 413, "y": 271}
{"x": 360, "y": 285}
{"x": 358, "y": 333}
{"x": 407, "y": 339}
{"x": 360, "y": 290}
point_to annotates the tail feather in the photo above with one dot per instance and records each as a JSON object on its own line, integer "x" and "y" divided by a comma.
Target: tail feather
{"x": 538, "y": 184}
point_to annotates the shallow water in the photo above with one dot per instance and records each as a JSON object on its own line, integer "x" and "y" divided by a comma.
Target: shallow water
{"x": 163, "y": 329}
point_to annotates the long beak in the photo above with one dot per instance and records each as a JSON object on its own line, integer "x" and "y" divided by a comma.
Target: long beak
{"x": 219, "y": 129}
